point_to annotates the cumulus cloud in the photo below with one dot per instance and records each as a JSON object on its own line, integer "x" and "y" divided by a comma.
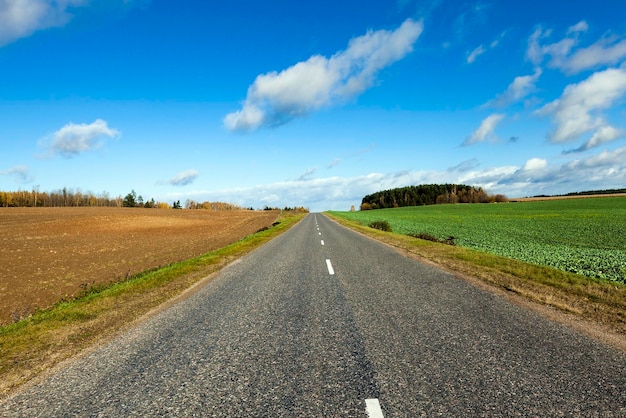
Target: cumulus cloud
{"x": 521, "y": 87}
{"x": 74, "y": 139}
{"x": 535, "y": 164}
{"x": 609, "y": 161}
{"x": 486, "y": 130}
{"x": 606, "y": 51}
{"x": 558, "y": 51}
{"x": 605, "y": 170}
{"x": 184, "y": 178}
{"x": 603, "y": 135}
{"x": 19, "y": 172}
{"x": 278, "y": 97}
{"x": 577, "y": 112}
{"x": 534, "y": 51}
{"x": 317, "y": 193}
{"x": 21, "y": 18}
{"x": 610, "y": 50}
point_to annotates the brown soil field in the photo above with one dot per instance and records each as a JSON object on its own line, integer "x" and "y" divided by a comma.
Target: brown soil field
{"x": 48, "y": 254}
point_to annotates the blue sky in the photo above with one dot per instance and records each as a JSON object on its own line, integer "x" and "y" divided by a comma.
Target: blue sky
{"x": 312, "y": 103}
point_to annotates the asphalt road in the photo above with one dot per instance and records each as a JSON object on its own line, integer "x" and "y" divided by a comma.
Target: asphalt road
{"x": 320, "y": 320}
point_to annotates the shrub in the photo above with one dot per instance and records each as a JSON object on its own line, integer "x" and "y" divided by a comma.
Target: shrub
{"x": 428, "y": 237}
{"x": 382, "y": 225}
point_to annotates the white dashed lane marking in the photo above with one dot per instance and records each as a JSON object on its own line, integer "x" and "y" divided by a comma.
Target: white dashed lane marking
{"x": 373, "y": 408}
{"x": 330, "y": 267}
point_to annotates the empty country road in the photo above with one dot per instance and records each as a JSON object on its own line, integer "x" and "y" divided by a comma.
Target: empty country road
{"x": 323, "y": 322}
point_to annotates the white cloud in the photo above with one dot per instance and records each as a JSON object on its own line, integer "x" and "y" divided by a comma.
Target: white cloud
{"x": 307, "y": 173}
{"x": 602, "y": 136}
{"x": 277, "y": 97}
{"x": 534, "y": 52}
{"x": 73, "y": 139}
{"x": 564, "y": 55}
{"x": 535, "y": 164}
{"x": 521, "y": 87}
{"x": 558, "y": 51}
{"x": 577, "y": 111}
{"x": 184, "y": 178}
{"x": 486, "y": 129}
{"x": 318, "y": 194}
{"x": 581, "y": 26}
{"x": 21, "y": 18}
{"x": 471, "y": 57}
{"x": 480, "y": 50}
{"x": 20, "y": 172}
{"x": 489, "y": 179}
{"x": 605, "y": 170}
{"x": 615, "y": 160}
{"x": 464, "y": 166}
{"x": 603, "y": 52}
{"x": 496, "y": 41}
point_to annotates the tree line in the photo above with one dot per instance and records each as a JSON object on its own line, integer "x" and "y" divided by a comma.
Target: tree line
{"x": 64, "y": 197}
{"x": 428, "y": 194}
{"x": 593, "y": 192}
{"x": 67, "y": 197}
{"x": 192, "y": 204}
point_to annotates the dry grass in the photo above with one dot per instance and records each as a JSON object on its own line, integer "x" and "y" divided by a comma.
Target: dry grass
{"x": 595, "y": 307}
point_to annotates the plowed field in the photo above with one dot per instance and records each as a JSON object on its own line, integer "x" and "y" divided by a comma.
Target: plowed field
{"x": 47, "y": 254}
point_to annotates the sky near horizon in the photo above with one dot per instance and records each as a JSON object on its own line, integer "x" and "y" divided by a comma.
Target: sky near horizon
{"x": 311, "y": 103}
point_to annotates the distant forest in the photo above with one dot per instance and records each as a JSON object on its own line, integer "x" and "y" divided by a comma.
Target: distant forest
{"x": 67, "y": 197}
{"x": 588, "y": 193}
{"x": 428, "y": 194}
{"x": 57, "y": 198}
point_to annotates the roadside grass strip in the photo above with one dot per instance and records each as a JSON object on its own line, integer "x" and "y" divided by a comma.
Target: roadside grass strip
{"x": 582, "y": 236}
{"x": 37, "y": 343}
{"x": 595, "y": 301}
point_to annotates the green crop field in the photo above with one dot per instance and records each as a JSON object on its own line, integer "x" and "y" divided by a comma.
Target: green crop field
{"x": 584, "y": 236}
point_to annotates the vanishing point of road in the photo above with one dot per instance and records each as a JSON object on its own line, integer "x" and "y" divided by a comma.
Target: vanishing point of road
{"x": 323, "y": 322}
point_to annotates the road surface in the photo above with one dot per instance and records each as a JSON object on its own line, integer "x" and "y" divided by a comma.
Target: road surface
{"x": 323, "y": 322}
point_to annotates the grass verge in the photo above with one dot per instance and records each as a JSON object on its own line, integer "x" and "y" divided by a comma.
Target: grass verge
{"x": 593, "y": 306}
{"x": 33, "y": 345}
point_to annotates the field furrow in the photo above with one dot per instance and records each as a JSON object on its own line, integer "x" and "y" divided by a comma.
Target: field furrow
{"x": 48, "y": 254}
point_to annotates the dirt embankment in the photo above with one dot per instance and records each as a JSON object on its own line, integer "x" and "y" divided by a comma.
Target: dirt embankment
{"x": 47, "y": 254}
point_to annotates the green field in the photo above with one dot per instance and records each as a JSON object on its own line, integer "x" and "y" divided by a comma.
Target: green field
{"x": 583, "y": 236}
